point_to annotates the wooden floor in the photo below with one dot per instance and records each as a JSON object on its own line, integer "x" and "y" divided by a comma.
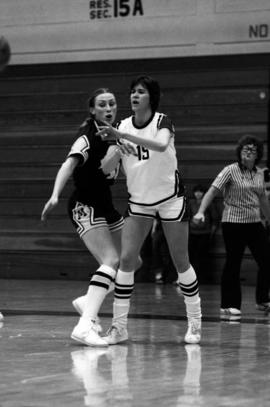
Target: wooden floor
{"x": 41, "y": 366}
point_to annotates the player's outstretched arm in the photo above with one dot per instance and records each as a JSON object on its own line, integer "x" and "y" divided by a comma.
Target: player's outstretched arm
{"x": 114, "y": 154}
{"x": 64, "y": 173}
{"x": 158, "y": 143}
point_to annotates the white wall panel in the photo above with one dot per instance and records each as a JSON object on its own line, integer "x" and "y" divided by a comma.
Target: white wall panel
{"x": 42, "y": 31}
{"x": 232, "y": 6}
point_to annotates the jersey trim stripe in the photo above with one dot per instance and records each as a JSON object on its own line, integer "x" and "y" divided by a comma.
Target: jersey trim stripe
{"x": 175, "y": 193}
{"x": 181, "y": 214}
{"x": 143, "y": 215}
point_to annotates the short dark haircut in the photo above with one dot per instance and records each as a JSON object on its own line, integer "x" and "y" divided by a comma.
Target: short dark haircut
{"x": 153, "y": 88}
{"x": 246, "y": 140}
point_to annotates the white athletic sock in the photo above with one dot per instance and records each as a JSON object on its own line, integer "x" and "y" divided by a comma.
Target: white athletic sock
{"x": 190, "y": 289}
{"x": 124, "y": 284}
{"x": 97, "y": 291}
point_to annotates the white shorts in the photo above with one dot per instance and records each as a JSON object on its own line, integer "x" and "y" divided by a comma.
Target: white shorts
{"x": 173, "y": 210}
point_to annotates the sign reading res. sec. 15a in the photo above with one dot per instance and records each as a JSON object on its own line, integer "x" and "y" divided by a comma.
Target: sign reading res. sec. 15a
{"x": 100, "y": 9}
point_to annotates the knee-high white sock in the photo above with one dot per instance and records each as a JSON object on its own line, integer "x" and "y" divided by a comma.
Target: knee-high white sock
{"x": 97, "y": 291}
{"x": 190, "y": 289}
{"x": 124, "y": 284}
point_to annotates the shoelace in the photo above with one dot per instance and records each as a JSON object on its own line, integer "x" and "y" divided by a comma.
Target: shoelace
{"x": 195, "y": 326}
{"x": 95, "y": 325}
{"x": 111, "y": 329}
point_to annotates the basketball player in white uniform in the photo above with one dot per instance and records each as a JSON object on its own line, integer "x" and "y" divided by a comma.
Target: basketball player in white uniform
{"x": 155, "y": 190}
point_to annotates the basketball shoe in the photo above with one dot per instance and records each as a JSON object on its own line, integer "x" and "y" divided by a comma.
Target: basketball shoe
{"x": 193, "y": 334}
{"x": 263, "y": 306}
{"x": 79, "y": 304}
{"x": 230, "y": 311}
{"x": 86, "y": 333}
{"x": 116, "y": 335}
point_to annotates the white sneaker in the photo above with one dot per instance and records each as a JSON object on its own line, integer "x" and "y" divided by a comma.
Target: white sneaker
{"x": 1, "y": 316}
{"x": 87, "y": 334}
{"x": 263, "y": 306}
{"x": 230, "y": 311}
{"x": 193, "y": 334}
{"x": 115, "y": 335}
{"x": 79, "y": 304}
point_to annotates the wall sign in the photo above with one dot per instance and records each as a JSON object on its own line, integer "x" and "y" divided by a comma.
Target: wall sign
{"x": 102, "y": 9}
{"x": 259, "y": 31}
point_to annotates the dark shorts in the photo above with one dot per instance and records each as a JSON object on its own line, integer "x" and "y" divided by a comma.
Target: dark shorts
{"x": 86, "y": 217}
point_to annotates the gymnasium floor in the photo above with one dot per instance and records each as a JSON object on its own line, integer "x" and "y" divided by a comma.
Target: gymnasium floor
{"x": 41, "y": 366}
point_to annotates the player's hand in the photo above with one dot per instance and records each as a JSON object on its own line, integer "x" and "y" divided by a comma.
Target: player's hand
{"x": 198, "y": 218}
{"x": 127, "y": 149}
{"x": 108, "y": 132}
{"x": 52, "y": 202}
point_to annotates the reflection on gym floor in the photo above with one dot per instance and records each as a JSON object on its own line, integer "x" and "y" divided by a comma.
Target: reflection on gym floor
{"x": 41, "y": 366}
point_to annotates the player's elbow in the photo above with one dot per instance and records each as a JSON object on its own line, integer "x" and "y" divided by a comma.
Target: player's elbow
{"x": 162, "y": 147}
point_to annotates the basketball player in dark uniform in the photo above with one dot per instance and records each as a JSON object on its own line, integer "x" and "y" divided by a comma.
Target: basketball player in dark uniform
{"x": 91, "y": 210}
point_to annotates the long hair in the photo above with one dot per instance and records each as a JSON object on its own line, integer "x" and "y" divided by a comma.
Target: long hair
{"x": 246, "y": 140}
{"x": 153, "y": 88}
{"x": 91, "y": 104}
{"x": 91, "y": 100}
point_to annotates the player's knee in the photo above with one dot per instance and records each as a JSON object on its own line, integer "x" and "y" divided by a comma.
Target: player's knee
{"x": 128, "y": 262}
{"x": 112, "y": 261}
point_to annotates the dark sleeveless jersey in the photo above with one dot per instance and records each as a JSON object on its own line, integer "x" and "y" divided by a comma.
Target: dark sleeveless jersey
{"x": 92, "y": 186}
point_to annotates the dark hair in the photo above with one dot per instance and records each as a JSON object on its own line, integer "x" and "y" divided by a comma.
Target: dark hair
{"x": 153, "y": 88}
{"x": 249, "y": 139}
{"x": 91, "y": 103}
{"x": 199, "y": 187}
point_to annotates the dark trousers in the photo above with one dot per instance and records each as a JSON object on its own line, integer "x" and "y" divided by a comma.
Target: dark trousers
{"x": 238, "y": 236}
{"x": 198, "y": 247}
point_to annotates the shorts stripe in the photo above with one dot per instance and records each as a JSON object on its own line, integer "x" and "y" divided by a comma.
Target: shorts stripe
{"x": 179, "y": 191}
{"x": 83, "y": 216}
{"x": 173, "y": 210}
{"x": 180, "y": 216}
{"x": 113, "y": 227}
{"x": 143, "y": 215}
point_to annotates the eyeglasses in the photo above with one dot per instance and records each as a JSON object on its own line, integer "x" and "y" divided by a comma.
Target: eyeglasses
{"x": 250, "y": 150}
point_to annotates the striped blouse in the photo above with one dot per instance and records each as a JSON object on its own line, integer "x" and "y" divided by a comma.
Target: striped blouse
{"x": 242, "y": 190}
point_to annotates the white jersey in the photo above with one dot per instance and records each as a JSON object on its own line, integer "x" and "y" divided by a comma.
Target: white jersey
{"x": 152, "y": 176}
